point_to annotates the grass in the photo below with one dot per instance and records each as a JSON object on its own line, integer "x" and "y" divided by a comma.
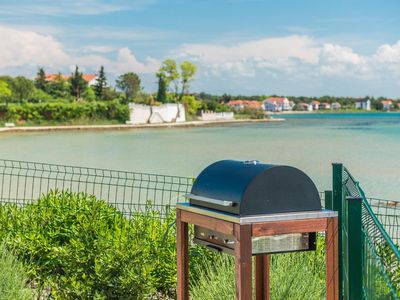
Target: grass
{"x": 294, "y": 276}
{"x": 12, "y": 278}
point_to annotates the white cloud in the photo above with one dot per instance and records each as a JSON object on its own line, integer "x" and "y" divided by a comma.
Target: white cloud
{"x": 263, "y": 50}
{"x": 299, "y": 56}
{"x": 27, "y": 49}
{"x": 99, "y": 48}
{"x": 18, "y": 48}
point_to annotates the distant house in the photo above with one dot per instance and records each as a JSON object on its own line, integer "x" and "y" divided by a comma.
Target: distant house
{"x": 277, "y": 104}
{"x": 242, "y": 104}
{"x": 89, "y": 78}
{"x": 336, "y": 105}
{"x": 315, "y": 104}
{"x": 304, "y": 106}
{"x": 364, "y": 104}
{"x": 387, "y": 104}
{"x": 324, "y": 105}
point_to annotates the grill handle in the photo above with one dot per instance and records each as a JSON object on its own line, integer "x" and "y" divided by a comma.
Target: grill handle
{"x": 210, "y": 200}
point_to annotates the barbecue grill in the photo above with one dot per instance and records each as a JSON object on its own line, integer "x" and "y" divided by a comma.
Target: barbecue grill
{"x": 247, "y": 208}
{"x": 249, "y": 188}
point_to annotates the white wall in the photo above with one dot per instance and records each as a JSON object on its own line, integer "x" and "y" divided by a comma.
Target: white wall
{"x": 166, "y": 113}
{"x": 213, "y": 116}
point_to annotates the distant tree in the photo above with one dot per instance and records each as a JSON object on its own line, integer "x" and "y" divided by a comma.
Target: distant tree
{"x": 191, "y": 104}
{"x": 40, "y": 80}
{"x": 22, "y": 88}
{"x": 58, "y": 87}
{"x": 226, "y": 98}
{"x": 5, "y": 92}
{"x": 162, "y": 89}
{"x": 188, "y": 71}
{"x": 101, "y": 84}
{"x": 377, "y": 105}
{"x": 129, "y": 83}
{"x": 89, "y": 94}
{"x": 77, "y": 84}
{"x": 169, "y": 72}
{"x": 109, "y": 93}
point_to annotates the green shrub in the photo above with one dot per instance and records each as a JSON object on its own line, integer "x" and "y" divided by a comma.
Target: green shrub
{"x": 13, "y": 278}
{"x": 79, "y": 247}
{"x": 65, "y": 111}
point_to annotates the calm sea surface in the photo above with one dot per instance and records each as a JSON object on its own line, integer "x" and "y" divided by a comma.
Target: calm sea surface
{"x": 368, "y": 144}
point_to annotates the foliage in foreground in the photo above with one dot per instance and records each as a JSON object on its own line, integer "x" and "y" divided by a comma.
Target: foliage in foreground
{"x": 293, "y": 276}
{"x": 79, "y": 247}
{"x": 13, "y": 277}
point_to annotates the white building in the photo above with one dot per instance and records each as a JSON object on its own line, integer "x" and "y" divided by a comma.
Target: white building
{"x": 387, "y": 104}
{"x": 364, "y": 104}
{"x": 166, "y": 113}
{"x": 336, "y": 105}
{"x": 315, "y": 104}
{"x": 324, "y": 105}
{"x": 216, "y": 116}
{"x": 304, "y": 107}
{"x": 277, "y": 104}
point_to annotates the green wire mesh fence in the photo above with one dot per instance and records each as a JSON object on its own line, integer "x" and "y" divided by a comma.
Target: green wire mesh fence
{"x": 380, "y": 254}
{"x": 130, "y": 192}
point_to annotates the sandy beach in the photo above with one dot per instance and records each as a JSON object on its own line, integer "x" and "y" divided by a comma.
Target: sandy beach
{"x": 130, "y": 126}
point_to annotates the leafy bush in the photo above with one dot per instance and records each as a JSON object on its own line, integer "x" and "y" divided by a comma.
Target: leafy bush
{"x": 64, "y": 111}
{"x": 79, "y": 247}
{"x": 12, "y": 278}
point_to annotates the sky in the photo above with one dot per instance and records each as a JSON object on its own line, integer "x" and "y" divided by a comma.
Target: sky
{"x": 286, "y": 47}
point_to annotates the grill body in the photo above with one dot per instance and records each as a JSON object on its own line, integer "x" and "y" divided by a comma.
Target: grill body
{"x": 249, "y": 189}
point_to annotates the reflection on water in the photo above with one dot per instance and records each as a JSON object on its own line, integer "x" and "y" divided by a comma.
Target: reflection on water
{"x": 368, "y": 144}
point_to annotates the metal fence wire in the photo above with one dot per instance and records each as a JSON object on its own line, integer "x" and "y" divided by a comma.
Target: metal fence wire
{"x": 379, "y": 234}
{"x": 23, "y": 182}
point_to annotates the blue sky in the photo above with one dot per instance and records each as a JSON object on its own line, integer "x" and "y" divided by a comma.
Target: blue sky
{"x": 287, "y": 47}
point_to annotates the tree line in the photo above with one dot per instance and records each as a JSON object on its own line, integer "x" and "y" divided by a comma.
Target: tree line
{"x": 74, "y": 88}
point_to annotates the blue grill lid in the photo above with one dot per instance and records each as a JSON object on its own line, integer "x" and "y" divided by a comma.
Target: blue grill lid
{"x": 250, "y": 188}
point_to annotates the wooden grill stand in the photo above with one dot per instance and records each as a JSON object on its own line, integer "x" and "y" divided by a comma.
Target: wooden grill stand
{"x": 243, "y": 251}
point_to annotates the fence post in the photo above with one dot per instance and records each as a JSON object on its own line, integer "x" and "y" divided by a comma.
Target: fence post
{"x": 328, "y": 200}
{"x": 354, "y": 249}
{"x": 337, "y": 205}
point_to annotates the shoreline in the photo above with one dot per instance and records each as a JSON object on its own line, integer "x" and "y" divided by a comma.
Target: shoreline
{"x": 131, "y": 126}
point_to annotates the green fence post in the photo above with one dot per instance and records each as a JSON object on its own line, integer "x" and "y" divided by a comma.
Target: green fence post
{"x": 328, "y": 200}
{"x": 337, "y": 205}
{"x": 354, "y": 247}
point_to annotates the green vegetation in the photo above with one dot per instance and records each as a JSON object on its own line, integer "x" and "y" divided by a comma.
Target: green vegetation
{"x": 78, "y": 247}
{"x": 13, "y": 278}
{"x": 293, "y": 275}
{"x": 64, "y": 112}
{"x": 75, "y": 246}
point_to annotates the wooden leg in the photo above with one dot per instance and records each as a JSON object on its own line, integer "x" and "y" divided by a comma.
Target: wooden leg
{"x": 243, "y": 262}
{"x": 332, "y": 260}
{"x": 182, "y": 258}
{"x": 262, "y": 277}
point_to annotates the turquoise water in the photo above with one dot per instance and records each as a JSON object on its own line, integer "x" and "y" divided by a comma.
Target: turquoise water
{"x": 368, "y": 144}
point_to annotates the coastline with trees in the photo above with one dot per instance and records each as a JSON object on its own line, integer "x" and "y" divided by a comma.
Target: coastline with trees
{"x": 89, "y": 99}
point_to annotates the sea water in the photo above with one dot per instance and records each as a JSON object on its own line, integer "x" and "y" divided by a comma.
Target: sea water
{"x": 368, "y": 144}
